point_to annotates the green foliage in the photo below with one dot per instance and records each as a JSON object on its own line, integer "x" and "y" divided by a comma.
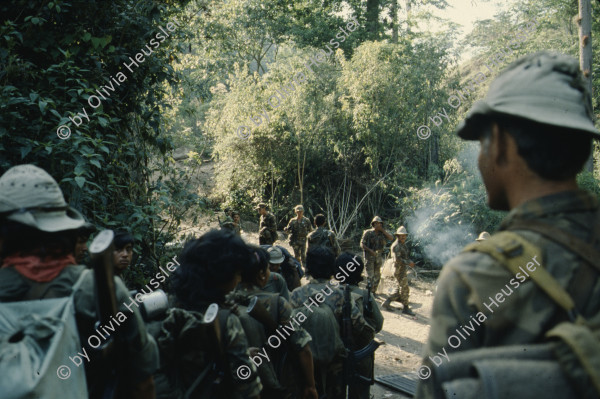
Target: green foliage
{"x": 116, "y": 167}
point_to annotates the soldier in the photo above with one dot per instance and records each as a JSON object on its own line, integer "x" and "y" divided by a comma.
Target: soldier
{"x": 83, "y": 235}
{"x": 267, "y": 230}
{"x": 372, "y": 242}
{"x": 298, "y": 228}
{"x": 237, "y": 223}
{"x": 483, "y": 236}
{"x": 323, "y": 293}
{"x": 400, "y": 256}
{"x": 535, "y": 128}
{"x": 276, "y": 282}
{"x": 38, "y": 231}
{"x": 354, "y": 266}
{"x": 211, "y": 267}
{"x": 254, "y": 279}
{"x": 323, "y": 237}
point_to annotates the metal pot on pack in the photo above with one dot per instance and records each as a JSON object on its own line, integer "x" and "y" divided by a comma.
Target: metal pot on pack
{"x": 154, "y": 304}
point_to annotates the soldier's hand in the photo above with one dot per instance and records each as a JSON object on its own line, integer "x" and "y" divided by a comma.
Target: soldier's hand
{"x": 411, "y": 264}
{"x": 310, "y": 393}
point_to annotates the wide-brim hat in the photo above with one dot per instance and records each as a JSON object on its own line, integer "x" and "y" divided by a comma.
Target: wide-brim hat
{"x": 483, "y": 236}
{"x": 541, "y": 87}
{"x": 376, "y": 219}
{"x": 401, "y": 231}
{"x": 275, "y": 255}
{"x": 299, "y": 208}
{"x": 261, "y": 205}
{"x": 32, "y": 197}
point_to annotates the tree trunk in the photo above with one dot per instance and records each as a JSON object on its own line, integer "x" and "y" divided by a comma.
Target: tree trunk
{"x": 408, "y": 14}
{"x": 395, "y": 28}
{"x": 372, "y": 15}
{"x": 585, "y": 54}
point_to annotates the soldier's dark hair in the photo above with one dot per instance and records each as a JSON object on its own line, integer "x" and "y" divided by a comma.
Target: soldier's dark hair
{"x": 355, "y": 275}
{"x": 552, "y": 152}
{"x": 259, "y": 262}
{"x": 320, "y": 262}
{"x": 122, "y": 238}
{"x": 19, "y": 238}
{"x": 320, "y": 220}
{"x": 206, "y": 263}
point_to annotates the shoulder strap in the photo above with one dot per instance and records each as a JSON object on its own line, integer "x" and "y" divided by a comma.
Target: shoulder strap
{"x": 40, "y": 290}
{"x": 584, "y": 281}
{"x": 512, "y": 251}
{"x": 569, "y": 241}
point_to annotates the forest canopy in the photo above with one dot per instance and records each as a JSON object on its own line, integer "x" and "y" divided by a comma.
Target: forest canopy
{"x": 342, "y": 139}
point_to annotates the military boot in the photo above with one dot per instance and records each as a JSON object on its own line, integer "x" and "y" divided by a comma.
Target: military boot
{"x": 387, "y": 304}
{"x": 408, "y": 311}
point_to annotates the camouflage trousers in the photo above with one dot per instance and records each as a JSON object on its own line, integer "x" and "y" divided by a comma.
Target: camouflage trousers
{"x": 373, "y": 268}
{"x": 300, "y": 252}
{"x": 402, "y": 291}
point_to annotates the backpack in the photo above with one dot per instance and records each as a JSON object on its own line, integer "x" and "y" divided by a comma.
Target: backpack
{"x": 186, "y": 342}
{"x": 567, "y": 364}
{"x": 257, "y": 336}
{"x": 322, "y": 323}
{"x": 37, "y": 337}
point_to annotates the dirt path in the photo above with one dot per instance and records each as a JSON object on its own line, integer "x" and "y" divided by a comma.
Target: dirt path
{"x": 404, "y": 337}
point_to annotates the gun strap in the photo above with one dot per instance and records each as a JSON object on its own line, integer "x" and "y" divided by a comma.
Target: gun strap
{"x": 584, "y": 280}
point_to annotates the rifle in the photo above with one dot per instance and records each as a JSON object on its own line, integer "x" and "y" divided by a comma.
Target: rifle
{"x": 348, "y": 341}
{"x": 111, "y": 352}
{"x": 352, "y": 357}
{"x": 257, "y": 310}
{"x": 218, "y": 386}
{"x": 367, "y": 304}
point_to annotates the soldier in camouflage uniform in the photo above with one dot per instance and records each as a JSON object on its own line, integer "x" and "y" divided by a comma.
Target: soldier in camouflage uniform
{"x": 298, "y": 228}
{"x": 254, "y": 279}
{"x": 354, "y": 267}
{"x": 400, "y": 256}
{"x": 323, "y": 290}
{"x": 267, "y": 229}
{"x": 38, "y": 232}
{"x": 211, "y": 267}
{"x": 372, "y": 243}
{"x": 323, "y": 236}
{"x": 237, "y": 223}
{"x": 535, "y": 128}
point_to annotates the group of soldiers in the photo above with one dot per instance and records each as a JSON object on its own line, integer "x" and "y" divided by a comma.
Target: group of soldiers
{"x": 373, "y": 242}
{"x": 534, "y": 329}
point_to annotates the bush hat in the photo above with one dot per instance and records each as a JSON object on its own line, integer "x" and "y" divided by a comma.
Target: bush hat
{"x": 261, "y": 205}
{"x": 32, "y": 197}
{"x": 275, "y": 255}
{"x": 401, "y": 231}
{"x": 299, "y": 208}
{"x": 483, "y": 236}
{"x": 544, "y": 87}
{"x": 376, "y": 219}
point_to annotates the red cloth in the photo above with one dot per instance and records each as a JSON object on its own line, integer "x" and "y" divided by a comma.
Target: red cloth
{"x": 38, "y": 269}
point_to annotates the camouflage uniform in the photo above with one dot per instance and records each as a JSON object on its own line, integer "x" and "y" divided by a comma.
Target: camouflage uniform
{"x": 400, "y": 256}
{"x": 267, "y": 233}
{"x": 361, "y": 330}
{"x": 299, "y": 338}
{"x": 180, "y": 322}
{"x": 365, "y": 366}
{"x": 258, "y": 337}
{"x": 277, "y": 285}
{"x": 324, "y": 237}
{"x": 298, "y": 231}
{"x": 468, "y": 283}
{"x": 371, "y": 239}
